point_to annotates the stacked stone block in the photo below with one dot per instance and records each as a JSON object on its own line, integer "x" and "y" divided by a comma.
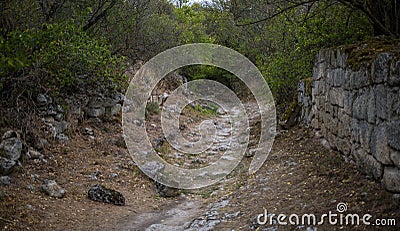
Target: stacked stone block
{"x": 357, "y": 110}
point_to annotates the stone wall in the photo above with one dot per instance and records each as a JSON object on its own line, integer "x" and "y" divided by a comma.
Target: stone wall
{"x": 304, "y": 99}
{"x": 357, "y": 110}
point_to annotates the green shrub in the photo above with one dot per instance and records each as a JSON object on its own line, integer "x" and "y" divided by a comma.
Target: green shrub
{"x": 152, "y": 108}
{"x": 211, "y": 110}
{"x": 62, "y": 57}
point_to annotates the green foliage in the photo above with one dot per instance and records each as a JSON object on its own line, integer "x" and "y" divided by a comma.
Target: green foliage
{"x": 191, "y": 24}
{"x": 195, "y": 72}
{"x": 46, "y": 42}
{"x": 296, "y": 37}
{"x": 62, "y": 54}
{"x": 152, "y": 108}
{"x": 210, "y": 110}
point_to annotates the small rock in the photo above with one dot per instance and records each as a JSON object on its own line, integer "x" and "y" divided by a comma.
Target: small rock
{"x": 60, "y": 109}
{"x": 221, "y": 111}
{"x": 76, "y": 110}
{"x": 318, "y": 135}
{"x": 198, "y": 161}
{"x": 35, "y": 177}
{"x": 109, "y": 196}
{"x": 48, "y": 111}
{"x": 206, "y": 106}
{"x": 325, "y": 143}
{"x": 43, "y": 100}
{"x": 166, "y": 191}
{"x": 94, "y": 175}
{"x": 232, "y": 215}
{"x": 51, "y": 188}
{"x": 159, "y": 142}
{"x": 113, "y": 175}
{"x": 95, "y": 112}
{"x": 363, "y": 194}
{"x": 6, "y": 165}
{"x": 4, "y": 180}
{"x": 49, "y": 120}
{"x": 115, "y": 109}
{"x": 61, "y": 127}
{"x": 11, "y": 146}
{"x": 223, "y": 148}
{"x": 31, "y": 187}
{"x": 88, "y": 131}
{"x": 32, "y": 154}
{"x": 252, "y": 152}
{"x": 396, "y": 198}
{"x": 62, "y": 138}
{"x": 59, "y": 117}
{"x": 311, "y": 229}
{"x": 41, "y": 144}
{"x": 118, "y": 98}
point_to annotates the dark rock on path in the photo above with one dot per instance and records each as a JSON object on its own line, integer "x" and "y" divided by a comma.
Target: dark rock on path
{"x": 109, "y": 196}
{"x": 6, "y": 165}
{"x": 166, "y": 191}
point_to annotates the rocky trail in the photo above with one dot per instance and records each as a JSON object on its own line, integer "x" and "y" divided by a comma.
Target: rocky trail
{"x": 298, "y": 169}
{"x": 300, "y": 176}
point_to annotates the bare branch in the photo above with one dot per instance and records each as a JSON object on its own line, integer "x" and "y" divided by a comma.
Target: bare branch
{"x": 96, "y": 17}
{"x": 367, "y": 11}
{"x": 284, "y": 10}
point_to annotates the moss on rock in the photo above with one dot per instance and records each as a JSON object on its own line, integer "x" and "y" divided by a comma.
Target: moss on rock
{"x": 364, "y": 53}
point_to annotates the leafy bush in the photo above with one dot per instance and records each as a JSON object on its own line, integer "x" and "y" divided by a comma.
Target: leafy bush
{"x": 61, "y": 57}
{"x": 209, "y": 109}
{"x": 152, "y": 108}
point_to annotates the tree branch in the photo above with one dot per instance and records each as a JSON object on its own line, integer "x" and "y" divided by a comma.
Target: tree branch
{"x": 95, "y": 18}
{"x": 367, "y": 11}
{"x": 295, "y": 5}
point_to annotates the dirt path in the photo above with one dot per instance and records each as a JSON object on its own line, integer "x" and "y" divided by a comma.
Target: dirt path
{"x": 300, "y": 176}
{"x": 175, "y": 215}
